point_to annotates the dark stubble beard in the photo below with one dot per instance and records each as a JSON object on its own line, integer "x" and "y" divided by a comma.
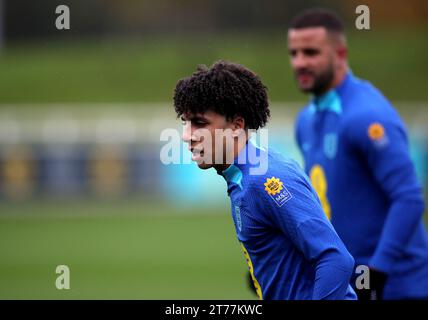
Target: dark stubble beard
{"x": 322, "y": 81}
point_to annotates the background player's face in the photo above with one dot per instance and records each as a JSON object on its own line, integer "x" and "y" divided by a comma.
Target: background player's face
{"x": 209, "y": 121}
{"x": 313, "y": 57}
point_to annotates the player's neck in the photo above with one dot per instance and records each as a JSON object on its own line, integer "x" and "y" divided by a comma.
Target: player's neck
{"x": 237, "y": 148}
{"x": 338, "y": 78}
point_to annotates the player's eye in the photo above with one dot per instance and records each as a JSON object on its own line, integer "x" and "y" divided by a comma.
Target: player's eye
{"x": 199, "y": 123}
{"x": 292, "y": 53}
{"x": 310, "y": 52}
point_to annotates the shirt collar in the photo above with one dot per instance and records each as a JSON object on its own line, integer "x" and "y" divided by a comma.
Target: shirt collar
{"x": 241, "y": 163}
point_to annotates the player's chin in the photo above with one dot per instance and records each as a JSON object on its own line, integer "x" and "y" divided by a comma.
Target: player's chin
{"x": 306, "y": 87}
{"x": 305, "y": 84}
{"x": 204, "y": 166}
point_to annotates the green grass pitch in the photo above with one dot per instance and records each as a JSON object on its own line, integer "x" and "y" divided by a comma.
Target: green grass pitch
{"x": 119, "y": 251}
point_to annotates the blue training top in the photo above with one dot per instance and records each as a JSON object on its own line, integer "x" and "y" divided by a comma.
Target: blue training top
{"x": 356, "y": 153}
{"x": 291, "y": 248}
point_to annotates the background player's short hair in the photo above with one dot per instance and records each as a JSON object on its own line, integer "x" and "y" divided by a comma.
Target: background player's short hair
{"x": 226, "y": 88}
{"x": 318, "y": 17}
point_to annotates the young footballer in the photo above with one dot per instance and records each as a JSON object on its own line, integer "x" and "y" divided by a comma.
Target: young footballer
{"x": 291, "y": 248}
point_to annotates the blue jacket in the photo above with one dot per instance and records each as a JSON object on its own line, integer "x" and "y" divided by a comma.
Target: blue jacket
{"x": 291, "y": 248}
{"x": 356, "y": 153}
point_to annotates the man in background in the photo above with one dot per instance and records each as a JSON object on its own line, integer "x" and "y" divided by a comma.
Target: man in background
{"x": 356, "y": 153}
{"x": 355, "y": 150}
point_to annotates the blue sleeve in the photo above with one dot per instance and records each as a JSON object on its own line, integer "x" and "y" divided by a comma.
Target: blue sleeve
{"x": 381, "y": 140}
{"x": 303, "y": 221}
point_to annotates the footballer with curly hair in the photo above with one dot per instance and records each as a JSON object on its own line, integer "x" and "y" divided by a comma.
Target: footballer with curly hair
{"x": 292, "y": 250}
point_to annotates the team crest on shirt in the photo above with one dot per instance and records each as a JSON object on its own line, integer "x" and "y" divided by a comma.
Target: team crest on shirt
{"x": 330, "y": 145}
{"x": 377, "y": 134}
{"x": 277, "y": 191}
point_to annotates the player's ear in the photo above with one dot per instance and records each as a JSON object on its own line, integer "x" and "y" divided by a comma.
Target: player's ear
{"x": 238, "y": 124}
{"x": 342, "y": 52}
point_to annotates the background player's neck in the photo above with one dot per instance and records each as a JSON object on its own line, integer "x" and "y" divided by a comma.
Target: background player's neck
{"x": 339, "y": 76}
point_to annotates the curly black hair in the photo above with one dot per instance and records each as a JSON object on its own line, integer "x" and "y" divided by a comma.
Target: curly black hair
{"x": 226, "y": 88}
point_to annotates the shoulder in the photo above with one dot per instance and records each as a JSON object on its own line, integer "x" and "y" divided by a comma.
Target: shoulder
{"x": 283, "y": 191}
{"x": 367, "y": 109}
{"x": 282, "y": 174}
{"x": 363, "y": 100}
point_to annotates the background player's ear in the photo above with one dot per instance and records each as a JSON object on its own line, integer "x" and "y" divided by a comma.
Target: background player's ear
{"x": 342, "y": 52}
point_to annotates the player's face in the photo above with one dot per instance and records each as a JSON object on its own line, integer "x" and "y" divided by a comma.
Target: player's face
{"x": 312, "y": 57}
{"x": 200, "y": 133}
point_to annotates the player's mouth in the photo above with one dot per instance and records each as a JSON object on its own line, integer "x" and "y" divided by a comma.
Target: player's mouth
{"x": 304, "y": 77}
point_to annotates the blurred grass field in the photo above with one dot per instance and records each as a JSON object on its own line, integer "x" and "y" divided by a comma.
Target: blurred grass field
{"x": 146, "y": 69}
{"x": 119, "y": 250}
